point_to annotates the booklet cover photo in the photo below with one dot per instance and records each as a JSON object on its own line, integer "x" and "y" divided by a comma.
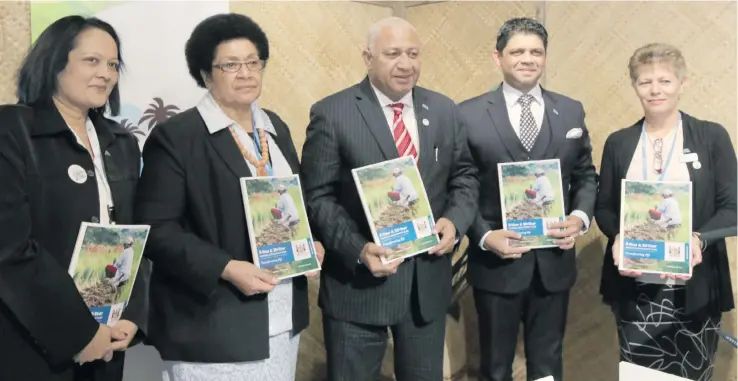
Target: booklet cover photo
{"x": 397, "y": 207}
{"x": 281, "y": 240}
{"x": 104, "y": 265}
{"x": 656, "y": 227}
{"x": 531, "y": 197}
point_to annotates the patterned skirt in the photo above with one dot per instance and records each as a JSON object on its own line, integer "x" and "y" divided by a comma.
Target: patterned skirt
{"x": 658, "y": 335}
{"x": 280, "y": 366}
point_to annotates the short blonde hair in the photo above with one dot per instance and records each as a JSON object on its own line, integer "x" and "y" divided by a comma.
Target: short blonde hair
{"x": 656, "y": 53}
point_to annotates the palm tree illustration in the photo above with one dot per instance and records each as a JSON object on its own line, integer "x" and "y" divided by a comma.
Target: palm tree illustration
{"x": 130, "y": 127}
{"x": 157, "y": 113}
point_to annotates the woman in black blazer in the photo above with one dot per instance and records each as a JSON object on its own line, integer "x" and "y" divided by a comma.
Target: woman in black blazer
{"x": 214, "y": 314}
{"x": 670, "y": 325}
{"x": 62, "y": 163}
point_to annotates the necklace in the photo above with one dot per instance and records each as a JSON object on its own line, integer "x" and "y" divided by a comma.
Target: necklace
{"x": 259, "y": 164}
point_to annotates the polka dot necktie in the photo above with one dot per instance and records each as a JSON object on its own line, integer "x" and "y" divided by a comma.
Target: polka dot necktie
{"x": 528, "y": 127}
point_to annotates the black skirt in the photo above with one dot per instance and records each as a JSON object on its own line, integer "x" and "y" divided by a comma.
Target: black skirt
{"x": 655, "y": 333}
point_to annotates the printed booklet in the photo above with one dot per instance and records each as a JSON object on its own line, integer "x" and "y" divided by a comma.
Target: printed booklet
{"x": 531, "y": 197}
{"x": 656, "y": 227}
{"x": 104, "y": 265}
{"x": 397, "y": 207}
{"x": 281, "y": 240}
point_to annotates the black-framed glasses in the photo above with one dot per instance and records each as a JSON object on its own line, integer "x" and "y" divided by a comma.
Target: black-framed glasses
{"x": 235, "y": 66}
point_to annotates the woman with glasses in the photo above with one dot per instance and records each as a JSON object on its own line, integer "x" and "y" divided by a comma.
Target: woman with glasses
{"x": 669, "y": 323}
{"x": 214, "y": 314}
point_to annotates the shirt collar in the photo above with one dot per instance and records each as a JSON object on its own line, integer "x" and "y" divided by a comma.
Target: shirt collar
{"x": 384, "y": 100}
{"x": 512, "y": 94}
{"x": 215, "y": 119}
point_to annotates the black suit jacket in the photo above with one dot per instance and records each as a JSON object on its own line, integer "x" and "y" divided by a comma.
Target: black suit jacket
{"x": 713, "y": 207}
{"x": 492, "y": 140}
{"x": 348, "y": 130}
{"x": 43, "y": 320}
{"x": 190, "y": 194}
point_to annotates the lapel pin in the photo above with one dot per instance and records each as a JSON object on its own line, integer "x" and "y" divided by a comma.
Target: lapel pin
{"x": 426, "y": 122}
{"x": 107, "y": 153}
{"x": 696, "y": 165}
{"x": 555, "y": 112}
{"x": 425, "y": 107}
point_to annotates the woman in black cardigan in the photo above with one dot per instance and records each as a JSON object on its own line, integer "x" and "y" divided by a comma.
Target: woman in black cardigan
{"x": 670, "y": 325}
{"x": 63, "y": 163}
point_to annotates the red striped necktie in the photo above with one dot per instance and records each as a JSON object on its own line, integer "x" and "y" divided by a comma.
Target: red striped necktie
{"x": 403, "y": 142}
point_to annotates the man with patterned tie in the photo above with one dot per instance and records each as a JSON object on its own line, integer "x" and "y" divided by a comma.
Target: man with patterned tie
{"x": 517, "y": 122}
{"x": 383, "y": 117}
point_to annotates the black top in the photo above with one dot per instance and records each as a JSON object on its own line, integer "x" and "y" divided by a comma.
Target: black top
{"x": 190, "y": 194}
{"x": 43, "y": 319}
{"x": 713, "y": 207}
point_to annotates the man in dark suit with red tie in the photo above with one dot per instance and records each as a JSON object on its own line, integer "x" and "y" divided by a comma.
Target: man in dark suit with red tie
{"x": 384, "y": 117}
{"x": 517, "y": 122}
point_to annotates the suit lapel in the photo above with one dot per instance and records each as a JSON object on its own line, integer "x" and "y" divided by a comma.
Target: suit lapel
{"x": 426, "y": 134}
{"x": 372, "y": 113}
{"x": 228, "y": 151}
{"x": 497, "y": 111}
{"x": 556, "y": 126}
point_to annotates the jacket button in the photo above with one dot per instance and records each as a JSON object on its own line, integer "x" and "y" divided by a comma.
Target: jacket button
{"x": 91, "y": 173}
{"x": 95, "y": 220}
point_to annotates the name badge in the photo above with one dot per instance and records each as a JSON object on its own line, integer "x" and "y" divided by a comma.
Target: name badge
{"x": 689, "y": 157}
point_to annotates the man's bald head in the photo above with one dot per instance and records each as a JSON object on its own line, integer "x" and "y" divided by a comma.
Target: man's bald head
{"x": 392, "y": 57}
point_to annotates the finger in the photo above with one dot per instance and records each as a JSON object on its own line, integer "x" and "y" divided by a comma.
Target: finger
{"x": 559, "y": 233}
{"x": 313, "y": 273}
{"x": 447, "y": 242}
{"x": 108, "y": 356}
{"x": 513, "y": 235}
{"x": 439, "y": 226}
{"x": 266, "y": 277}
{"x": 118, "y": 334}
{"x": 558, "y": 225}
{"x": 120, "y": 345}
{"x": 516, "y": 250}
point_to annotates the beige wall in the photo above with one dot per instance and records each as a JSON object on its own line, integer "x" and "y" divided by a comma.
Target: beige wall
{"x": 589, "y": 47}
{"x": 316, "y": 51}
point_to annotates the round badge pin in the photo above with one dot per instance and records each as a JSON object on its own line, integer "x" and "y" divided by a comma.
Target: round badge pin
{"x": 696, "y": 165}
{"x": 77, "y": 174}
{"x": 426, "y": 122}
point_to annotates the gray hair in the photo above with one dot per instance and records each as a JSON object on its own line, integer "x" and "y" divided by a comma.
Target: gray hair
{"x": 379, "y": 26}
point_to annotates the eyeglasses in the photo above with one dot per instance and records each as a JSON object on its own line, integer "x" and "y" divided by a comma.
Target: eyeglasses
{"x": 235, "y": 66}
{"x": 658, "y": 144}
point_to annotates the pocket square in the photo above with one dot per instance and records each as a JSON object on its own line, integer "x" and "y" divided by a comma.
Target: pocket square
{"x": 574, "y": 133}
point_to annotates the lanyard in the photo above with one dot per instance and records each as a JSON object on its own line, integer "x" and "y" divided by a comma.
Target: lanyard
{"x": 257, "y": 148}
{"x": 668, "y": 158}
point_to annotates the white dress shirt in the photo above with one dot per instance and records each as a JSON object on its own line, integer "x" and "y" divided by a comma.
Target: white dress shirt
{"x": 408, "y": 114}
{"x": 279, "y": 299}
{"x": 537, "y": 107}
{"x": 105, "y": 197}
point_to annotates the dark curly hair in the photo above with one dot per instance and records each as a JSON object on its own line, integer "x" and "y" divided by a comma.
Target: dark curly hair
{"x": 215, "y": 30}
{"x": 38, "y": 75}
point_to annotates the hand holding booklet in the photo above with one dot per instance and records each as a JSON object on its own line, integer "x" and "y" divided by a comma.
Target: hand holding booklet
{"x": 531, "y": 198}
{"x": 396, "y": 207}
{"x": 656, "y": 227}
{"x": 104, "y": 265}
{"x": 281, "y": 240}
